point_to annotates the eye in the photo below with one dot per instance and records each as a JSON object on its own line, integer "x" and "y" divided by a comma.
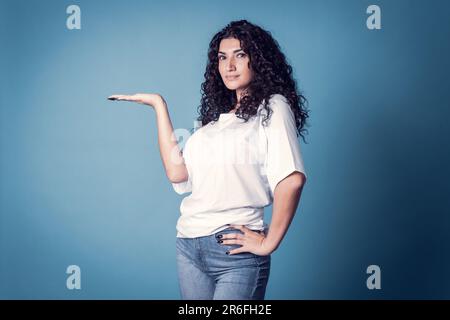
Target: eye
{"x": 220, "y": 57}
{"x": 241, "y": 54}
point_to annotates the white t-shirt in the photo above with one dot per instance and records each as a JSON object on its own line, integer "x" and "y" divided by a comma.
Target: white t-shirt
{"x": 234, "y": 168}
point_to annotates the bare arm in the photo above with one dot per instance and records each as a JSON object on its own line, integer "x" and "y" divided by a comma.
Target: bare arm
{"x": 286, "y": 198}
{"x": 170, "y": 153}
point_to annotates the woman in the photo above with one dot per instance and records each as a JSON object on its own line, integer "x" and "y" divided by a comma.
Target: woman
{"x": 244, "y": 157}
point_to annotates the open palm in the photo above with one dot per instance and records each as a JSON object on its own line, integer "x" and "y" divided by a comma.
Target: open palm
{"x": 150, "y": 99}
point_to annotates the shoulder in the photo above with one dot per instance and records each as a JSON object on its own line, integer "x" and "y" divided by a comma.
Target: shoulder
{"x": 279, "y": 106}
{"x": 196, "y": 134}
{"x": 277, "y": 98}
{"x": 201, "y": 129}
{"x": 278, "y": 102}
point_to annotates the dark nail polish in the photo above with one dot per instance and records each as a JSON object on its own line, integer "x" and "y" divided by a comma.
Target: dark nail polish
{"x": 228, "y": 252}
{"x": 219, "y": 236}
{"x": 220, "y": 241}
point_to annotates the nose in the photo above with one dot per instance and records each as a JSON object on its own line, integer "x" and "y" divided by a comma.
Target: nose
{"x": 231, "y": 64}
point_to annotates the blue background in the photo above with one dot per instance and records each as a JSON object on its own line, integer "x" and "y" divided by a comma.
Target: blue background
{"x": 82, "y": 180}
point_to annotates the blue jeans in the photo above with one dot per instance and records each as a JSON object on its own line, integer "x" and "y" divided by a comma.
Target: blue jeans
{"x": 206, "y": 272}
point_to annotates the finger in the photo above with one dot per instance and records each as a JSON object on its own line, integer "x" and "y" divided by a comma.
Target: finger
{"x": 115, "y": 97}
{"x": 121, "y": 97}
{"x": 134, "y": 98}
{"x": 237, "y": 250}
{"x": 237, "y": 241}
{"x": 125, "y": 98}
{"x": 232, "y": 236}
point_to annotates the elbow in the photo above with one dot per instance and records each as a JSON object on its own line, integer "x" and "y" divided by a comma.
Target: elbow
{"x": 297, "y": 180}
{"x": 177, "y": 177}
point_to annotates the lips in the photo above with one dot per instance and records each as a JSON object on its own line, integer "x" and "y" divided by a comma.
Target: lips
{"x": 230, "y": 78}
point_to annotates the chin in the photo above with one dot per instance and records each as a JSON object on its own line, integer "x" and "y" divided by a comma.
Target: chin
{"x": 233, "y": 86}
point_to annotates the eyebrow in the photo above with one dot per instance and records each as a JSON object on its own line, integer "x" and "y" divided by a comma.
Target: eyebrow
{"x": 234, "y": 51}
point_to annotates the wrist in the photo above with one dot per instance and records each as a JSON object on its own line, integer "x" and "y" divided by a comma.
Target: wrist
{"x": 269, "y": 245}
{"x": 160, "y": 105}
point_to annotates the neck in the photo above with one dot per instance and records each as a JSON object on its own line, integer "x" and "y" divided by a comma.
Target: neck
{"x": 239, "y": 95}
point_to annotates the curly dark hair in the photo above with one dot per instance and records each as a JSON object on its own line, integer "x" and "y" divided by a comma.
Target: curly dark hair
{"x": 271, "y": 75}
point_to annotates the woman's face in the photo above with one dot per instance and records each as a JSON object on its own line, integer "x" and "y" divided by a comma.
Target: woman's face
{"x": 234, "y": 65}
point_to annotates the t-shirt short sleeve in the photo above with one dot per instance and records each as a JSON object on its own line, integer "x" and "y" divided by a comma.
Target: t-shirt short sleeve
{"x": 185, "y": 186}
{"x": 283, "y": 155}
